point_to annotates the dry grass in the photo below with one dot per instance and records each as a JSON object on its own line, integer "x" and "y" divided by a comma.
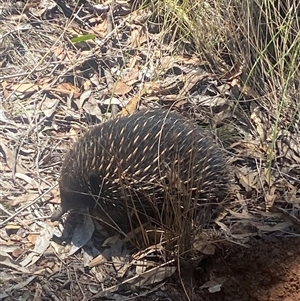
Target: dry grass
{"x": 259, "y": 39}
{"x": 261, "y": 36}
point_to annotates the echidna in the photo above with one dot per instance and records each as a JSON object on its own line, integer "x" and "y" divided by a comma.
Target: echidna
{"x": 134, "y": 163}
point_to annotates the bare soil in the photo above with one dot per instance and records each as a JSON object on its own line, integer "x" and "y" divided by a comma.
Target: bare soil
{"x": 268, "y": 271}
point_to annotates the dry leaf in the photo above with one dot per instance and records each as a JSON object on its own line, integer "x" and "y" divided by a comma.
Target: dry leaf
{"x": 4, "y": 85}
{"x": 67, "y": 89}
{"x": 270, "y": 197}
{"x": 49, "y": 106}
{"x": 32, "y": 238}
{"x": 91, "y": 107}
{"x": 83, "y": 98}
{"x": 81, "y": 235}
{"x": 121, "y": 88}
{"x": 152, "y": 276}
{"x": 132, "y": 62}
{"x": 205, "y": 247}
{"x": 24, "y": 198}
{"x": 278, "y": 227}
{"x": 41, "y": 244}
{"x": 97, "y": 261}
{"x": 214, "y": 285}
{"x": 7, "y": 261}
{"x": 17, "y": 252}
{"x": 286, "y": 215}
{"x": 73, "y": 135}
{"x": 134, "y": 40}
{"x": 101, "y": 29}
{"x": 132, "y": 104}
{"x": 59, "y": 52}
{"x": 248, "y": 181}
{"x": 22, "y": 88}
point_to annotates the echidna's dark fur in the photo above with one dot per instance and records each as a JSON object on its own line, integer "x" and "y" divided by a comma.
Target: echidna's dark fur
{"x": 136, "y": 162}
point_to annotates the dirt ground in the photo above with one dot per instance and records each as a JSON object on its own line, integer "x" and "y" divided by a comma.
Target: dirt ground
{"x": 268, "y": 271}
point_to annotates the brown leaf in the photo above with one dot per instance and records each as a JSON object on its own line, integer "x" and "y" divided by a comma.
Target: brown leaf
{"x": 204, "y": 247}
{"x": 32, "y": 238}
{"x": 26, "y": 87}
{"x": 101, "y": 29}
{"x": 4, "y": 87}
{"x": 132, "y": 63}
{"x": 248, "y": 180}
{"x": 135, "y": 40}
{"x": 17, "y": 252}
{"x": 100, "y": 259}
{"x": 121, "y": 88}
{"x": 59, "y": 52}
{"x": 132, "y": 104}
{"x": 132, "y": 76}
{"x": 67, "y": 89}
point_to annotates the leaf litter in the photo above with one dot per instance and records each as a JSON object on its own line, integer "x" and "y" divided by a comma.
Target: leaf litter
{"x": 53, "y": 87}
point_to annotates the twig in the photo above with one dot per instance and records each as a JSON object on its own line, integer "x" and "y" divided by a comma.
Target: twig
{"x": 26, "y": 206}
